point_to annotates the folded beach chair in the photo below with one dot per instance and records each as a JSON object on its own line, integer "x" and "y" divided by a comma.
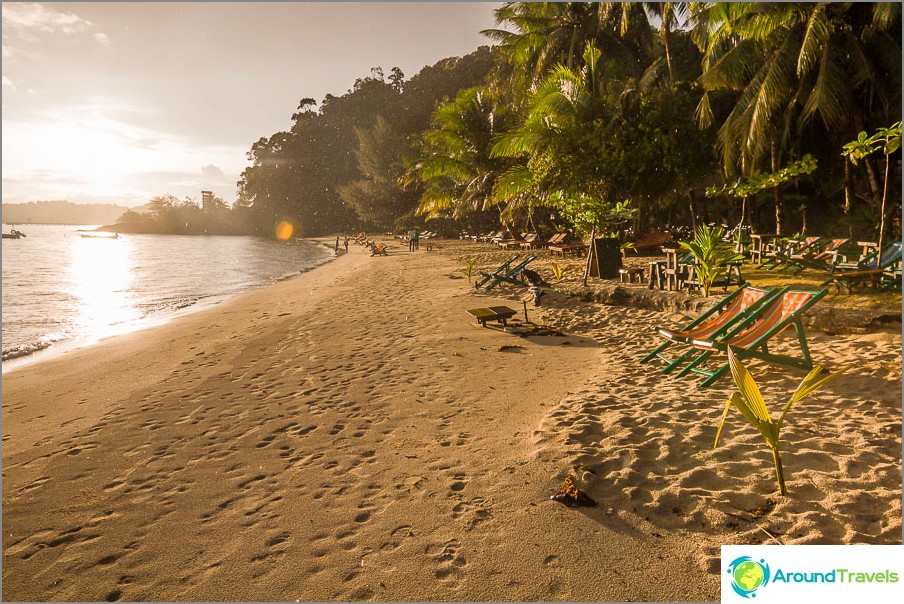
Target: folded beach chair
{"x": 735, "y": 307}
{"x": 509, "y": 276}
{"x": 487, "y": 275}
{"x": 750, "y": 338}
{"x": 872, "y": 269}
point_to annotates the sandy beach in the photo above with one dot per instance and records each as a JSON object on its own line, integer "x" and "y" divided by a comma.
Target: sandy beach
{"x": 352, "y": 434}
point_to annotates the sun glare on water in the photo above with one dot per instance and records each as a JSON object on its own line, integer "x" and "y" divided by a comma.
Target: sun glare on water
{"x": 101, "y": 273}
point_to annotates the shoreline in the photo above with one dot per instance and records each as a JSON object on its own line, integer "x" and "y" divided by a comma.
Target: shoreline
{"x": 313, "y": 438}
{"x": 57, "y": 347}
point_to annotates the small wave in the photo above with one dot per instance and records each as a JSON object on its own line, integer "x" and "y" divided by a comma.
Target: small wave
{"x": 24, "y": 350}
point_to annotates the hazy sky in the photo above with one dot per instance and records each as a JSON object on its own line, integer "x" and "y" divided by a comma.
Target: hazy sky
{"x": 119, "y": 102}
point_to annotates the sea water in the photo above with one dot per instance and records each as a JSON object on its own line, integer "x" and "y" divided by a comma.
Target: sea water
{"x": 60, "y": 288}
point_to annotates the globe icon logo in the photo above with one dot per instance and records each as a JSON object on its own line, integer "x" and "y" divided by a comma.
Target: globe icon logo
{"x": 748, "y": 575}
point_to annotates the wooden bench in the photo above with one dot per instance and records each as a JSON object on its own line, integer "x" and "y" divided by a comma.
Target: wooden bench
{"x": 493, "y": 313}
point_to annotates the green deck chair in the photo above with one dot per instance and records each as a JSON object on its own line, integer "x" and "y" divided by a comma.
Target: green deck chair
{"x": 871, "y": 268}
{"x": 735, "y": 307}
{"x": 511, "y": 275}
{"x": 750, "y": 338}
{"x": 781, "y": 256}
{"x": 815, "y": 259}
{"x": 487, "y": 275}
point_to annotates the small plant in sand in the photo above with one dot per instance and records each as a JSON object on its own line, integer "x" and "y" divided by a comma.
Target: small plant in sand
{"x": 750, "y": 403}
{"x": 710, "y": 253}
{"x": 557, "y": 271}
{"x": 469, "y": 269}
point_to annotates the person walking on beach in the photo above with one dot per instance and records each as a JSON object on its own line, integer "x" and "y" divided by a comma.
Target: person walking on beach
{"x": 410, "y": 240}
{"x": 337, "y": 245}
{"x": 346, "y": 245}
{"x": 417, "y": 239}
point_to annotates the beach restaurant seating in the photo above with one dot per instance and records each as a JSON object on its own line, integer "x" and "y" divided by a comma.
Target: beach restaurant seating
{"x": 509, "y": 275}
{"x": 734, "y": 307}
{"x": 487, "y": 275}
{"x": 750, "y": 338}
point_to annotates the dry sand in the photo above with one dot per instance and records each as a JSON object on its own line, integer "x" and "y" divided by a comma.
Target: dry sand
{"x": 352, "y": 434}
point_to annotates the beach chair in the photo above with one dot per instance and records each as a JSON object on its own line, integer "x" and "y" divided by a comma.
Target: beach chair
{"x": 873, "y": 269}
{"x": 735, "y": 307}
{"x": 514, "y": 242}
{"x": 819, "y": 260}
{"x": 487, "y": 275}
{"x": 379, "y": 250}
{"x": 509, "y": 276}
{"x": 750, "y": 338}
{"x": 564, "y": 248}
{"x": 780, "y": 255}
{"x": 530, "y": 242}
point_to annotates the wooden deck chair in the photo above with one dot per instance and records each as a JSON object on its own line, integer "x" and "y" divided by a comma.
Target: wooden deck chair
{"x": 735, "y": 307}
{"x": 819, "y": 260}
{"x": 530, "y": 241}
{"x": 379, "y": 250}
{"x": 750, "y": 338}
{"x": 511, "y": 275}
{"x": 514, "y": 242}
{"x": 487, "y": 275}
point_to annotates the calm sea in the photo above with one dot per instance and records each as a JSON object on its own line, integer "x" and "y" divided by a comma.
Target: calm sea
{"x": 60, "y": 288}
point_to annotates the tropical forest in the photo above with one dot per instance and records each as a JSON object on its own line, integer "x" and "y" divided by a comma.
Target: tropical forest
{"x": 612, "y": 117}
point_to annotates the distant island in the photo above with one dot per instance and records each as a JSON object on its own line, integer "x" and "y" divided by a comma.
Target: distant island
{"x": 61, "y": 212}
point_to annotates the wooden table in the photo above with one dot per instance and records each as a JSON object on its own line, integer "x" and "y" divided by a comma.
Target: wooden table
{"x": 758, "y": 246}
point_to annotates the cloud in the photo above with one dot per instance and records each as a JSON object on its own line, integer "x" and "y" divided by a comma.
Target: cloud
{"x": 213, "y": 174}
{"x": 27, "y": 17}
{"x": 7, "y": 83}
{"x": 29, "y": 21}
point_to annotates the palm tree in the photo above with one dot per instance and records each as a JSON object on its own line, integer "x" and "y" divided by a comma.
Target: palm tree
{"x": 792, "y": 62}
{"x": 456, "y": 170}
{"x": 550, "y": 33}
{"x": 789, "y": 63}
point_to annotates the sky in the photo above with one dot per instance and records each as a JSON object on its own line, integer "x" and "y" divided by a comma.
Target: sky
{"x": 118, "y": 102}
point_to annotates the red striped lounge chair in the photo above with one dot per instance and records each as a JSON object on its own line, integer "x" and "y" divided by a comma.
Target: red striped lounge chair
{"x": 750, "y": 338}
{"x": 727, "y": 312}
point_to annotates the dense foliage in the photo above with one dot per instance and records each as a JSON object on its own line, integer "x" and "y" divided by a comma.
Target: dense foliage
{"x": 608, "y": 116}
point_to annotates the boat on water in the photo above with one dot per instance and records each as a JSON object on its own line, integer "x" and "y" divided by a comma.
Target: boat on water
{"x": 98, "y": 235}
{"x": 13, "y": 234}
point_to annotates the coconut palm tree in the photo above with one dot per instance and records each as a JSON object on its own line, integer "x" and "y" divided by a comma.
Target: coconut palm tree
{"x": 456, "y": 169}
{"x": 791, "y": 63}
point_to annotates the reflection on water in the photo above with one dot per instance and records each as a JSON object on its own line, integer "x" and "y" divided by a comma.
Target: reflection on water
{"x": 60, "y": 288}
{"x": 100, "y": 271}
